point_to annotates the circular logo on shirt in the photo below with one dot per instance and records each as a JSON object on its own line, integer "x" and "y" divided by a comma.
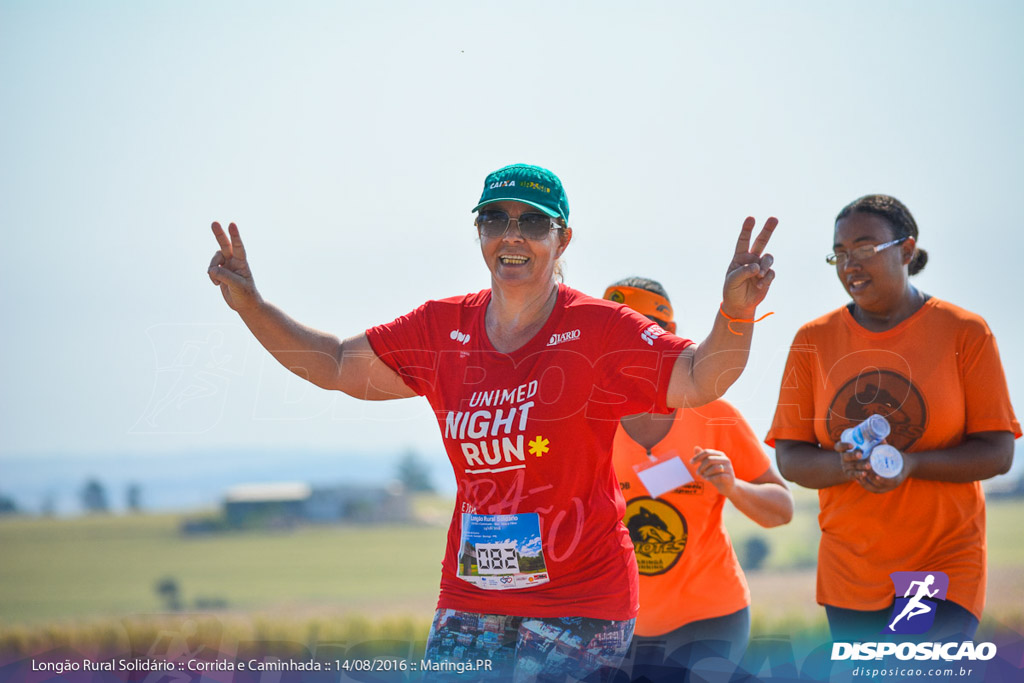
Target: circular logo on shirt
{"x": 658, "y": 532}
{"x": 879, "y": 392}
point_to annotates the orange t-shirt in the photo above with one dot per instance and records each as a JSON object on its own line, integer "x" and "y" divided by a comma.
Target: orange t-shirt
{"x": 936, "y": 377}
{"x": 688, "y": 570}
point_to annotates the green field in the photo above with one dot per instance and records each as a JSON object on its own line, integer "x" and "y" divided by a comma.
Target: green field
{"x": 110, "y": 566}
{"x": 99, "y": 574}
{"x": 796, "y": 544}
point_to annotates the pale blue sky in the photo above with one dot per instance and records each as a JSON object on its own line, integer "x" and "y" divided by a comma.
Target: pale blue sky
{"x": 350, "y": 140}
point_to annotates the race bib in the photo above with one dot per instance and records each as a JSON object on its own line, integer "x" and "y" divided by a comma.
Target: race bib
{"x": 500, "y": 552}
{"x": 664, "y": 474}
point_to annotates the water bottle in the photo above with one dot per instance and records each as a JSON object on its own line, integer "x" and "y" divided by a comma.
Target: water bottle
{"x": 886, "y": 461}
{"x": 867, "y": 434}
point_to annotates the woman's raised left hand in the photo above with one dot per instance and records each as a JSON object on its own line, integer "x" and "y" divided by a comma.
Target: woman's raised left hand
{"x": 750, "y": 272}
{"x": 715, "y": 467}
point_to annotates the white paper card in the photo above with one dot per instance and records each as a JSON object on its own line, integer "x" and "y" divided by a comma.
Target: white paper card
{"x": 665, "y": 476}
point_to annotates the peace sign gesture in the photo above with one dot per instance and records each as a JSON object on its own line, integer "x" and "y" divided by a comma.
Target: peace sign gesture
{"x": 750, "y": 274}
{"x": 230, "y": 270}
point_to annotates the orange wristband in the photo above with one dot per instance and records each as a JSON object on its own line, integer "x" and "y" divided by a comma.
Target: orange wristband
{"x": 740, "y": 320}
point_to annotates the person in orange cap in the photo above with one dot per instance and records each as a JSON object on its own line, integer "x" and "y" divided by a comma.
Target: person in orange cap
{"x": 676, "y": 471}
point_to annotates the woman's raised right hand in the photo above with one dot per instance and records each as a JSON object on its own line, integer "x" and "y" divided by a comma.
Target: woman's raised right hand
{"x": 230, "y": 271}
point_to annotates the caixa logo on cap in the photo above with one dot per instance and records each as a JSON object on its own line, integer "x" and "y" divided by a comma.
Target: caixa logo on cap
{"x": 917, "y": 597}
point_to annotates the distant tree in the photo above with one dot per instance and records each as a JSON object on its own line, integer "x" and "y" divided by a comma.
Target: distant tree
{"x": 133, "y": 497}
{"x": 94, "y": 497}
{"x": 168, "y": 590}
{"x": 7, "y": 505}
{"x": 754, "y": 552}
{"x": 210, "y": 603}
{"x": 414, "y": 474}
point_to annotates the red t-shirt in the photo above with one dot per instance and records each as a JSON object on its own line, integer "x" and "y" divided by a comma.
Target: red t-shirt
{"x": 530, "y": 433}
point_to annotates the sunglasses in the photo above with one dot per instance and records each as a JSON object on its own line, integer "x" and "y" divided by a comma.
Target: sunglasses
{"x": 532, "y": 226}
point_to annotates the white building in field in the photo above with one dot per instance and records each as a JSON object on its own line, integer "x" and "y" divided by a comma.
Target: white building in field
{"x": 289, "y": 503}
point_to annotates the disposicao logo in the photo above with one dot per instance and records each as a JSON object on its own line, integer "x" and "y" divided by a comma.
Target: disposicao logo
{"x": 914, "y": 612}
{"x": 918, "y": 595}
{"x": 947, "y": 652}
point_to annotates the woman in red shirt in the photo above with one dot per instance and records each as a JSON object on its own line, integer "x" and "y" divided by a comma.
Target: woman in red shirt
{"x": 539, "y": 575}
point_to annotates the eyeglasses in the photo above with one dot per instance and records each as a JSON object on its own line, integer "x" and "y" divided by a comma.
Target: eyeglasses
{"x": 860, "y": 253}
{"x": 532, "y": 226}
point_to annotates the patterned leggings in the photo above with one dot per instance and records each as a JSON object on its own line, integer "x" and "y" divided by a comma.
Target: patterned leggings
{"x": 520, "y": 649}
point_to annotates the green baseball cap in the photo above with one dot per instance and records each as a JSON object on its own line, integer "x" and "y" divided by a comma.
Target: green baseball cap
{"x": 533, "y": 185}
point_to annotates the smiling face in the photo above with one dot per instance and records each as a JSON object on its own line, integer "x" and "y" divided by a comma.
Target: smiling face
{"x": 514, "y": 260}
{"x": 877, "y": 284}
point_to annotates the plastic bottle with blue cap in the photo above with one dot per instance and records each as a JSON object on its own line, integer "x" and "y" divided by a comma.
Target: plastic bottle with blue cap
{"x": 868, "y": 436}
{"x": 886, "y": 461}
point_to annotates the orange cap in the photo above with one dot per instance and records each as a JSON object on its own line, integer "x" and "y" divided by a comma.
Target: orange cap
{"x": 643, "y": 302}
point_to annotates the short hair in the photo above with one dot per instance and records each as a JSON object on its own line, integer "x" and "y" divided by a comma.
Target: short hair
{"x": 897, "y": 215}
{"x": 644, "y": 283}
{"x": 559, "y": 271}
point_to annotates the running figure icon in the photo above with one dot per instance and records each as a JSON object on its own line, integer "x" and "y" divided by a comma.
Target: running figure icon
{"x": 914, "y": 606}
